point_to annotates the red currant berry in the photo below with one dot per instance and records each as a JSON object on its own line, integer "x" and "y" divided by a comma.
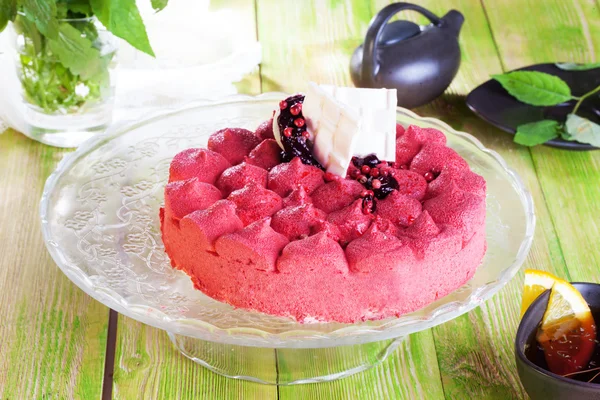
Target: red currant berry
{"x": 362, "y": 179}
{"x": 287, "y": 132}
{"x": 296, "y": 108}
{"x": 365, "y": 169}
{"x": 428, "y": 176}
{"x": 299, "y": 122}
{"x": 354, "y": 174}
{"x": 411, "y": 219}
{"x": 374, "y": 172}
{"x": 283, "y": 104}
{"x": 376, "y": 183}
{"x": 366, "y": 193}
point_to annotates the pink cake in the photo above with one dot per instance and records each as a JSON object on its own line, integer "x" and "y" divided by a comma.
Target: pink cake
{"x": 287, "y": 239}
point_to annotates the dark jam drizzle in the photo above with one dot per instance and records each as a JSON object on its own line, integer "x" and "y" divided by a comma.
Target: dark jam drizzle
{"x": 372, "y": 173}
{"x": 292, "y": 128}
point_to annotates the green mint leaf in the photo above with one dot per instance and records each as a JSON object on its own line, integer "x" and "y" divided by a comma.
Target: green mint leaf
{"x": 80, "y": 7}
{"x": 74, "y": 9}
{"x": 577, "y": 67}
{"x": 582, "y": 130}
{"x": 43, "y": 14}
{"x": 75, "y": 51}
{"x": 158, "y": 5}
{"x": 8, "y": 12}
{"x": 123, "y": 19}
{"x": 33, "y": 35}
{"x": 537, "y": 132}
{"x": 535, "y": 88}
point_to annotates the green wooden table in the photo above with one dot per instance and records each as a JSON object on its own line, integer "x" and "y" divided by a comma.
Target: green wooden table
{"x": 55, "y": 341}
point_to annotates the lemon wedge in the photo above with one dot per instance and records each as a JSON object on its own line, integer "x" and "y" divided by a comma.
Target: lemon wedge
{"x": 567, "y": 332}
{"x": 536, "y": 282}
{"x": 566, "y": 310}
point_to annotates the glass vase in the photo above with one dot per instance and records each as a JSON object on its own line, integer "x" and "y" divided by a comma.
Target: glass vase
{"x": 67, "y": 83}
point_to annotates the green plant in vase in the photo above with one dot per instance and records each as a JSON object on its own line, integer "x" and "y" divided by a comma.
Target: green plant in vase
{"x": 64, "y": 55}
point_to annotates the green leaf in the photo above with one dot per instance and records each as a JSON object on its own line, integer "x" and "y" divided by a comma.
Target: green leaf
{"x": 32, "y": 35}
{"x": 577, "y": 67}
{"x": 582, "y": 130}
{"x": 537, "y": 132}
{"x": 79, "y": 7}
{"x": 535, "y": 88}
{"x": 74, "y": 9}
{"x": 43, "y": 14}
{"x": 158, "y": 5}
{"x": 76, "y": 52}
{"x": 123, "y": 19}
{"x": 8, "y": 12}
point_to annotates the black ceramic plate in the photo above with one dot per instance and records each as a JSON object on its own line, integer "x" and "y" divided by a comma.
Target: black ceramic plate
{"x": 492, "y": 103}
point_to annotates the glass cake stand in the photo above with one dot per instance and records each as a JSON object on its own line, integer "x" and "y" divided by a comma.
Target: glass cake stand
{"x": 100, "y": 222}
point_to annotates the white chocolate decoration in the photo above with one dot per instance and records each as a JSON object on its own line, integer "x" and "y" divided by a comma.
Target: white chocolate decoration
{"x": 276, "y": 131}
{"x": 326, "y": 119}
{"x": 345, "y": 122}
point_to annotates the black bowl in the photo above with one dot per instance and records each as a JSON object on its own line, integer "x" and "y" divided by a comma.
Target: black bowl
{"x": 492, "y": 103}
{"x": 538, "y": 382}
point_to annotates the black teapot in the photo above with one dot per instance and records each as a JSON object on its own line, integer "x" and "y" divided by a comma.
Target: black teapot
{"x": 420, "y": 62}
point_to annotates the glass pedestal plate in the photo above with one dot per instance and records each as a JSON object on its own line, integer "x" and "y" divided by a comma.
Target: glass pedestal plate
{"x": 285, "y": 366}
{"x": 100, "y": 222}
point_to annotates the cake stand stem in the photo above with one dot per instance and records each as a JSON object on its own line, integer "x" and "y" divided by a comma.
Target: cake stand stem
{"x": 284, "y": 366}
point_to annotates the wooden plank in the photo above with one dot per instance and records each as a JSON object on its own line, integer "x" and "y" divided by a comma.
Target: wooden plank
{"x": 309, "y": 40}
{"x": 53, "y": 335}
{"x": 306, "y": 41}
{"x": 558, "y": 31}
{"x": 411, "y": 372}
{"x": 147, "y": 365}
{"x": 570, "y": 32}
{"x": 570, "y": 183}
{"x": 475, "y": 351}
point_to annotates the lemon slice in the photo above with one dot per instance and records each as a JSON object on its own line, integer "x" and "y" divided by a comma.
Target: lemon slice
{"x": 567, "y": 332}
{"x": 566, "y": 309}
{"x": 536, "y": 282}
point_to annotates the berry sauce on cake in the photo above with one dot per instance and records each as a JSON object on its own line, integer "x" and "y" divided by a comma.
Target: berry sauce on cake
{"x": 261, "y": 225}
{"x": 295, "y": 137}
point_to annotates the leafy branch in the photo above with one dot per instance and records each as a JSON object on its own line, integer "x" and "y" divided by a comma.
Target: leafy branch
{"x": 541, "y": 89}
{"x": 121, "y": 17}
{"x": 64, "y": 60}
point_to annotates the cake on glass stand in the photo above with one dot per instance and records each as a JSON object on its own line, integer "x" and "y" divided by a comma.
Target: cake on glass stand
{"x": 101, "y": 225}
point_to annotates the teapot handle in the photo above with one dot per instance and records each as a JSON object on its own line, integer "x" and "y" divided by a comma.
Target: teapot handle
{"x": 370, "y": 68}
